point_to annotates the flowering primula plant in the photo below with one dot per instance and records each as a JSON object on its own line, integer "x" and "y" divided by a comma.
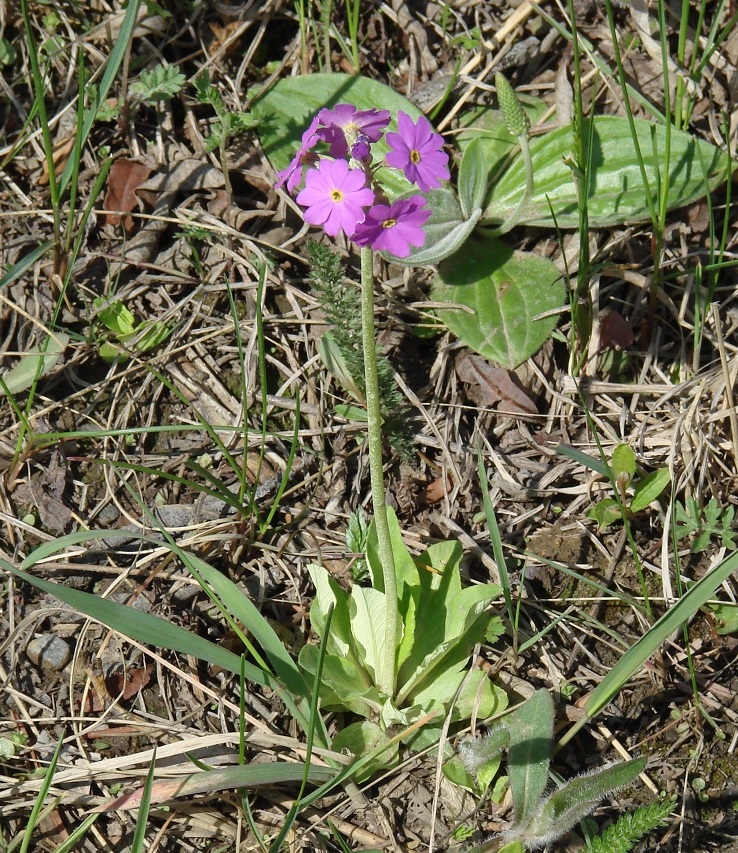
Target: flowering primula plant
{"x": 341, "y": 191}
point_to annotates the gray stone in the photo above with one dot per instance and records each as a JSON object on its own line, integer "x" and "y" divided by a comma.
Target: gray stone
{"x": 49, "y": 652}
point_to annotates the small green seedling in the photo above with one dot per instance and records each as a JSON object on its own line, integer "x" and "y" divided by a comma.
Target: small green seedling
{"x": 127, "y": 336}
{"x": 229, "y": 123}
{"x": 705, "y": 523}
{"x": 541, "y": 817}
{"x": 635, "y": 493}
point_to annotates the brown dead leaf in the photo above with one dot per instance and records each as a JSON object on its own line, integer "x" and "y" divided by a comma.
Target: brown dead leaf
{"x": 128, "y": 684}
{"x": 125, "y": 177}
{"x": 438, "y": 489}
{"x": 62, "y": 150}
{"x": 494, "y": 386}
{"x": 615, "y": 331}
{"x": 45, "y": 492}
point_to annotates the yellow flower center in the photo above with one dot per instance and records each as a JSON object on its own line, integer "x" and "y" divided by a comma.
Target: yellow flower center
{"x": 389, "y": 223}
{"x": 336, "y": 195}
{"x": 415, "y": 157}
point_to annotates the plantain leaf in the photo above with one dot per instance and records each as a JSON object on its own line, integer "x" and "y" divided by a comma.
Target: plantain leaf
{"x": 616, "y": 193}
{"x": 506, "y": 292}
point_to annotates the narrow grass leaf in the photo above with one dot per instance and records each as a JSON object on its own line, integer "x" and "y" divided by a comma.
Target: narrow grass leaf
{"x": 145, "y": 628}
{"x": 139, "y": 835}
{"x": 634, "y": 659}
{"x": 246, "y": 776}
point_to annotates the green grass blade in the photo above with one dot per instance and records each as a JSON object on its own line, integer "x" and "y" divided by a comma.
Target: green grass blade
{"x": 145, "y": 628}
{"x": 33, "y": 818}
{"x": 634, "y": 659}
{"x": 115, "y": 60}
{"x": 139, "y": 835}
{"x": 496, "y": 539}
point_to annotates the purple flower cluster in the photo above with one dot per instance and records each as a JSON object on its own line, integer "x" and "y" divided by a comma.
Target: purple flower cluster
{"x": 341, "y": 192}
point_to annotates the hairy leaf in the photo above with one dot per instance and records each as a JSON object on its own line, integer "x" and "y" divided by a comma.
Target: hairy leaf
{"x": 507, "y": 292}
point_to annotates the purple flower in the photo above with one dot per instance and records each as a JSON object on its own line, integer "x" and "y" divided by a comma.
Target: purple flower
{"x": 342, "y": 126}
{"x": 292, "y": 175}
{"x": 417, "y": 150}
{"x": 335, "y": 197}
{"x": 394, "y": 228}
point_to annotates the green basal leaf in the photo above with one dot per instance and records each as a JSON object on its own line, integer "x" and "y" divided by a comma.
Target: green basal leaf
{"x": 363, "y": 737}
{"x": 368, "y": 618}
{"x": 616, "y": 193}
{"x": 151, "y": 335}
{"x": 623, "y": 460}
{"x": 478, "y": 695}
{"x": 351, "y": 413}
{"x": 461, "y": 629}
{"x": 507, "y": 292}
{"x": 455, "y": 772}
{"x": 405, "y": 567}
{"x": 649, "y": 488}
{"x": 605, "y": 513}
{"x": 115, "y": 316}
{"x": 726, "y": 618}
{"x": 285, "y": 111}
{"x": 343, "y": 685}
{"x": 328, "y": 592}
{"x": 445, "y": 231}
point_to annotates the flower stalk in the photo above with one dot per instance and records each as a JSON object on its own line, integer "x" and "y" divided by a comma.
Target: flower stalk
{"x": 379, "y": 504}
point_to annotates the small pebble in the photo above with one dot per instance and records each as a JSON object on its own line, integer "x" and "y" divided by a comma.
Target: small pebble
{"x": 49, "y": 652}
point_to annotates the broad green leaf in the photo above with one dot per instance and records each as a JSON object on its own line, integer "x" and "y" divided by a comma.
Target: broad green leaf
{"x": 478, "y": 695}
{"x": 328, "y": 592}
{"x": 460, "y": 629}
{"x": 285, "y": 111}
{"x": 406, "y": 570}
{"x": 649, "y": 488}
{"x": 623, "y": 460}
{"x": 343, "y": 685}
{"x": 507, "y": 293}
{"x": 368, "y": 620}
{"x": 605, "y": 513}
{"x": 445, "y": 231}
{"x": 22, "y": 375}
{"x": 726, "y": 618}
{"x": 115, "y": 316}
{"x": 151, "y": 335}
{"x": 363, "y": 737}
{"x": 531, "y": 735}
{"x": 615, "y": 193}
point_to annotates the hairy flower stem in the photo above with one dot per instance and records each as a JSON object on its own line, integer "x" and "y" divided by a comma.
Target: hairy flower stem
{"x": 374, "y": 433}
